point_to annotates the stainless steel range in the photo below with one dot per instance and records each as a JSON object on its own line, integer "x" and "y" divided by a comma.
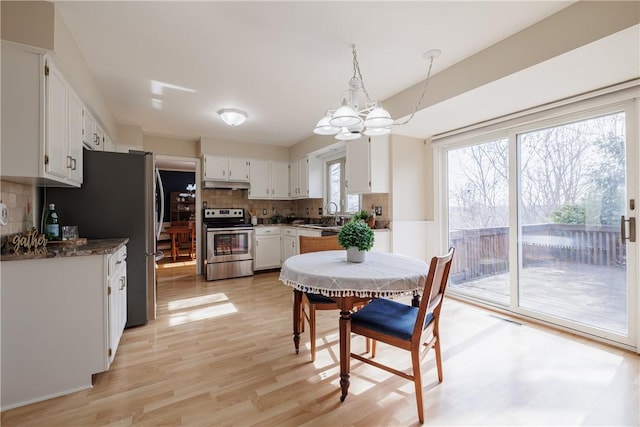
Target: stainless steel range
{"x": 228, "y": 244}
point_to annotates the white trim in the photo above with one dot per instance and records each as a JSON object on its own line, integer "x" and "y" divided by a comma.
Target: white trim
{"x": 598, "y": 98}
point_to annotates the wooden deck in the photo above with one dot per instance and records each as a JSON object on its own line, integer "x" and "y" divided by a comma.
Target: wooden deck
{"x": 588, "y": 294}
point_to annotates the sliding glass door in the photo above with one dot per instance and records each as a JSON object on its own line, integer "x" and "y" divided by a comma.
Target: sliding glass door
{"x": 478, "y": 177}
{"x": 536, "y": 217}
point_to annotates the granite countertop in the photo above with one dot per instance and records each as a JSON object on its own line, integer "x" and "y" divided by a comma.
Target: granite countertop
{"x": 92, "y": 247}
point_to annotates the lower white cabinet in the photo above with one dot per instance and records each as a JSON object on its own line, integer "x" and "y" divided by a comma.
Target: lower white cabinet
{"x": 117, "y": 292}
{"x": 61, "y": 321}
{"x": 267, "y": 248}
{"x": 382, "y": 242}
{"x": 289, "y": 243}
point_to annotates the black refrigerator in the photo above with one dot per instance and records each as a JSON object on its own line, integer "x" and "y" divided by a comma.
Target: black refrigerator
{"x": 117, "y": 199}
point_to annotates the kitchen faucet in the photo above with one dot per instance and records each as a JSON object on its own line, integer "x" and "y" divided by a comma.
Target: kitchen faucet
{"x": 327, "y": 208}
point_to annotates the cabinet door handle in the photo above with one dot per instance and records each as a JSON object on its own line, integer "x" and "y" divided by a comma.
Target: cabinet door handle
{"x": 69, "y": 162}
{"x": 73, "y": 164}
{"x": 123, "y": 281}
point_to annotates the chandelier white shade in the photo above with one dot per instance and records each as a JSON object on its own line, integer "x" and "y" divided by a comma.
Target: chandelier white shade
{"x": 232, "y": 116}
{"x": 358, "y": 115}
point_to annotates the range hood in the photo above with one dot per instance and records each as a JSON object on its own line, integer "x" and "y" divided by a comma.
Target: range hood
{"x": 229, "y": 185}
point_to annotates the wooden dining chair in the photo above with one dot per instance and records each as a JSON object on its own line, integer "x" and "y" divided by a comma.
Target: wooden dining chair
{"x": 192, "y": 239}
{"x": 312, "y": 302}
{"x": 415, "y": 329}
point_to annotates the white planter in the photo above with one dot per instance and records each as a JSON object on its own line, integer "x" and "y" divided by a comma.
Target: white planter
{"x": 356, "y": 255}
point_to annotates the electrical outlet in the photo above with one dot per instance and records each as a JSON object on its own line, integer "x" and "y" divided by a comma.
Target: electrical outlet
{"x": 4, "y": 214}
{"x": 307, "y": 211}
{"x": 264, "y": 211}
{"x": 320, "y": 211}
{"x": 378, "y": 210}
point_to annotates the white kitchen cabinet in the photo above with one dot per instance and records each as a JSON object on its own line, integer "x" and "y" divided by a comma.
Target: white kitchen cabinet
{"x": 294, "y": 181}
{"x": 279, "y": 180}
{"x": 59, "y": 323}
{"x": 117, "y": 293}
{"x": 305, "y": 179}
{"x": 74, "y": 157}
{"x": 267, "y": 248}
{"x": 225, "y": 168}
{"x": 382, "y": 241}
{"x": 39, "y": 139}
{"x": 92, "y": 133}
{"x": 289, "y": 243}
{"x": 367, "y": 164}
{"x": 259, "y": 179}
{"x": 268, "y": 179}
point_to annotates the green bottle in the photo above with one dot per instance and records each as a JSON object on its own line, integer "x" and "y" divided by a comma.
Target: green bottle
{"x": 52, "y": 224}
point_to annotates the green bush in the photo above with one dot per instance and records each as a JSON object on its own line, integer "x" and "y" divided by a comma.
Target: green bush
{"x": 568, "y": 214}
{"x": 356, "y": 233}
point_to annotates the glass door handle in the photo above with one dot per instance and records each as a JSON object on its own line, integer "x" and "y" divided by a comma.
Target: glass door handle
{"x": 632, "y": 229}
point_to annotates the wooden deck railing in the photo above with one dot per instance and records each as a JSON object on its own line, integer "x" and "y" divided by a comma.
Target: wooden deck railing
{"x": 485, "y": 251}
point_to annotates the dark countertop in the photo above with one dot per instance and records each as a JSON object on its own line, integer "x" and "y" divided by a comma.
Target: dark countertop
{"x": 92, "y": 247}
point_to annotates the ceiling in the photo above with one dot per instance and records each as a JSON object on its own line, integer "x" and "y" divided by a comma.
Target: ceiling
{"x": 169, "y": 66}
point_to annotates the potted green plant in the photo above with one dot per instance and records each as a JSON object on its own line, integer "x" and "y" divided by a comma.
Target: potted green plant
{"x": 363, "y": 215}
{"x": 357, "y": 238}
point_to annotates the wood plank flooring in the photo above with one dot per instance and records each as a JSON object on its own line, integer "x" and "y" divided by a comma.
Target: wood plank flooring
{"x": 221, "y": 354}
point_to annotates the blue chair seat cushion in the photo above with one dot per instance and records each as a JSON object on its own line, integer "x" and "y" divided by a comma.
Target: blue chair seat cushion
{"x": 389, "y": 317}
{"x": 318, "y": 299}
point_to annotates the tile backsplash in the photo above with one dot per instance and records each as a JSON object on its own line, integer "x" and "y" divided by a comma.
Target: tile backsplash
{"x": 303, "y": 208}
{"x": 19, "y": 200}
{"x": 264, "y": 209}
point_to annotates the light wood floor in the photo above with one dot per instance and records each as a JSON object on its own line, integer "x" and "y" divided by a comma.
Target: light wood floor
{"x": 221, "y": 353}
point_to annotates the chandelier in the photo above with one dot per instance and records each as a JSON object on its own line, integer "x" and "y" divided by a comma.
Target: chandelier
{"x": 359, "y": 115}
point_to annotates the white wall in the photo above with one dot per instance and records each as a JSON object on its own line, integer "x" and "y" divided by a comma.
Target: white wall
{"x": 240, "y": 149}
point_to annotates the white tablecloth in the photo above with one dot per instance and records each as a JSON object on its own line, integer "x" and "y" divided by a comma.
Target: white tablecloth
{"x": 330, "y": 274}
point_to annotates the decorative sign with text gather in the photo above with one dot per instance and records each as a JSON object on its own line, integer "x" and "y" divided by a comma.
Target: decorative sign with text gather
{"x": 29, "y": 243}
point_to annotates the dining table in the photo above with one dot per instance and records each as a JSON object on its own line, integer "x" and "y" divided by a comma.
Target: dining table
{"x": 178, "y": 232}
{"x": 328, "y": 273}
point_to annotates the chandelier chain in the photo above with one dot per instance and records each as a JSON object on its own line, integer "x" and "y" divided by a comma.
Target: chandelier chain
{"x": 356, "y": 70}
{"x": 424, "y": 90}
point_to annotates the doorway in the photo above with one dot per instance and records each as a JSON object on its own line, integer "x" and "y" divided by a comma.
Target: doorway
{"x": 182, "y": 203}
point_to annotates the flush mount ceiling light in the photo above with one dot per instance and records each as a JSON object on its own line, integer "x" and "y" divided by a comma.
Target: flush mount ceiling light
{"x": 359, "y": 115}
{"x": 233, "y": 117}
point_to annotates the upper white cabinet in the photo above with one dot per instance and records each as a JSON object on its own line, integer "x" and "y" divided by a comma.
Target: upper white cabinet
{"x": 268, "y": 179}
{"x": 41, "y": 144}
{"x": 225, "y": 168}
{"x": 91, "y": 131}
{"x": 305, "y": 179}
{"x": 75, "y": 137}
{"x": 368, "y": 165}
